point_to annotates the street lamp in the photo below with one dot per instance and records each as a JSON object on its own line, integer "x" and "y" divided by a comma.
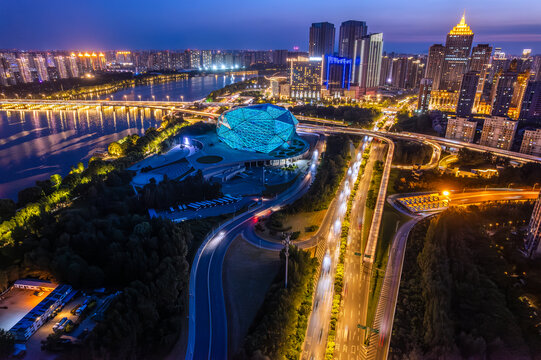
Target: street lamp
{"x": 508, "y": 186}
{"x": 167, "y": 97}
{"x": 286, "y": 242}
{"x": 139, "y": 96}
{"x": 153, "y": 98}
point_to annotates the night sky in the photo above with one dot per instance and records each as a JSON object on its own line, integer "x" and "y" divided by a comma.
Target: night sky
{"x": 408, "y": 25}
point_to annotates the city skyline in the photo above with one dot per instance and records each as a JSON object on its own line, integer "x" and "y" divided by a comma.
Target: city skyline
{"x": 415, "y": 26}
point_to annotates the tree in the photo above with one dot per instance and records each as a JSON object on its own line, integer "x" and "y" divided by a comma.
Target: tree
{"x": 7, "y": 341}
{"x": 56, "y": 181}
{"x": 28, "y": 195}
{"x": 115, "y": 149}
{"x": 7, "y": 208}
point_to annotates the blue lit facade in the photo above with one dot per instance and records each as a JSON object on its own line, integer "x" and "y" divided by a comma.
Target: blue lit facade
{"x": 260, "y": 128}
{"x": 337, "y": 73}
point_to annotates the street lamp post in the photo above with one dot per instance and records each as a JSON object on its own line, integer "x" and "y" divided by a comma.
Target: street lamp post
{"x": 287, "y": 242}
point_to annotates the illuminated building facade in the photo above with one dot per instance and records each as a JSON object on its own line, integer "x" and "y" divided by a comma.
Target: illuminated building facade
{"x": 531, "y": 142}
{"x": 337, "y": 74}
{"x": 461, "y": 129}
{"x": 498, "y": 132}
{"x": 305, "y": 78}
{"x": 423, "y": 101}
{"x": 533, "y": 234}
{"x": 260, "y": 128}
{"x": 457, "y": 55}
{"x": 367, "y": 61}
{"x": 436, "y": 53}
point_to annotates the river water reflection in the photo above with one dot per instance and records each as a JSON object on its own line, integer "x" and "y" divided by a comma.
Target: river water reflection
{"x": 37, "y": 144}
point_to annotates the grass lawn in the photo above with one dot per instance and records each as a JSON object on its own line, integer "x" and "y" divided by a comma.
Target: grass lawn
{"x": 271, "y": 190}
{"x": 300, "y": 221}
{"x": 390, "y": 222}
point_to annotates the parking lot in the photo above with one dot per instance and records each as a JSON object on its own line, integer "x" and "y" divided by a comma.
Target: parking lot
{"x": 16, "y": 303}
{"x": 33, "y": 345}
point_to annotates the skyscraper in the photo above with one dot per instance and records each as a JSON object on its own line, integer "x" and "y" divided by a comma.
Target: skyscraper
{"x": 367, "y": 61}
{"x": 386, "y": 68}
{"x": 531, "y": 101}
{"x": 457, "y": 54}
{"x": 425, "y": 88}
{"x": 466, "y": 97}
{"x": 350, "y": 31}
{"x": 436, "y": 53}
{"x": 321, "y": 39}
{"x": 533, "y": 234}
{"x": 502, "y": 90}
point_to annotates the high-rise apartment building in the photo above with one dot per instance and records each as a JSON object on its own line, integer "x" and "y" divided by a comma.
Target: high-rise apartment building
{"x": 305, "y": 78}
{"x": 461, "y": 129}
{"x": 531, "y": 142}
{"x": 457, "y": 55}
{"x": 206, "y": 59}
{"x": 531, "y": 101}
{"x": 41, "y": 67}
{"x": 423, "y": 101}
{"x": 466, "y": 96}
{"x": 367, "y": 61}
{"x": 279, "y": 57}
{"x": 386, "y": 67}
{"x": 350, "y": 31}
{"x": 533, "y": 234}
{"x": 321, "y": 39}
{"x": 195, "y": 59}
{"x": 24, "y": 69}
{"x": 498, "y": 132}
{"x": 436, "y": 53}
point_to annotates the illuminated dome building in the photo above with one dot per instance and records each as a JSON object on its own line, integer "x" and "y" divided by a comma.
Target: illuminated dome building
{"x": 260, "y": 128}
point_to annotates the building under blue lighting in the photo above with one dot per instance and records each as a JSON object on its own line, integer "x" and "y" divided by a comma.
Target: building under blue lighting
{"x": 261, "y": 128}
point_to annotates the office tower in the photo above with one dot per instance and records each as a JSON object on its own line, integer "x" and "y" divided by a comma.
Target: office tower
{"x": 367, "y": 61}
{"x": 350, "y": 31}
{"x": 436, "y": 53}
{"x": 321, "y": 39}
{"x": 531, "y": 142}
{"x": 425, "y": 88}
{"x": 498, "y": 132}
{"x": 386, "y": 67}
{"x": 305, "y": 78}
{"x": 337, "y": 74}
{"x": 466, "y": 96}
{"x": 533, "y": 234}
{"x": 461, "y": 129}
{"x": 279, "y": 57}
{"x": 41, "y": 67}
{"x": 480, "y": 57}
{"x": 531, "y": 101}
{"x": 502, "y": 90}
{"x": 457, "y": 54}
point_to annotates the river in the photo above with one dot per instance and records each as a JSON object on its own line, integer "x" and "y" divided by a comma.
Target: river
{"x": 36, "y": 144}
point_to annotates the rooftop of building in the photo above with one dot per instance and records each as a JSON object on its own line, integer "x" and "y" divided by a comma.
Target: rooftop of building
{"x": 461, "y": 28}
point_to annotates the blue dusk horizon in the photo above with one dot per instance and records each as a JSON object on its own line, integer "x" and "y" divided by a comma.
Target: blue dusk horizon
{"x": 408, "y": 27}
